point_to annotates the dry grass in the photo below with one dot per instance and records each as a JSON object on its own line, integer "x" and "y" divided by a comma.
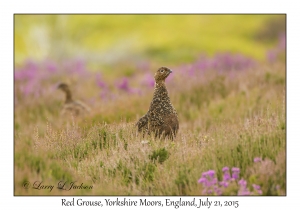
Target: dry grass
{"x": 224, "y": 121}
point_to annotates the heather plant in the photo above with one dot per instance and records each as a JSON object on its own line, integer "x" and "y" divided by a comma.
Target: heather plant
{"x": 159, "y": 155}
{"x": 231, "y": 184}
{"x": 228, "y": 122}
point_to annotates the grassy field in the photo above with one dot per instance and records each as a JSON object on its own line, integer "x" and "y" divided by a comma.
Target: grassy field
{"x": 231, "y": 108}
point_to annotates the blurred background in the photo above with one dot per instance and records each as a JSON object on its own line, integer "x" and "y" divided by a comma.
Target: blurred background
{"x": 107, "y": 57}
{"x": 123, "y": 45}
{"x": 109, "y": 39}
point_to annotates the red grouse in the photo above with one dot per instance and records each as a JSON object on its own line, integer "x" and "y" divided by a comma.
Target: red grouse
{"x": 71, "y": 107}
{"x": 161, "y": 117}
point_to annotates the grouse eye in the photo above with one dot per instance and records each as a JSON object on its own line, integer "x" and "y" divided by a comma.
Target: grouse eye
{"x": 162, "y": 71}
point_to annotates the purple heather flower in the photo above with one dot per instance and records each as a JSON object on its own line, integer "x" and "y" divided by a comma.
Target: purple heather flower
{"x": 204, "y": 174}
{"x": 242, "y": 182}
{"x": 18, "y": 74}
{"x": 228, "y": 60}
{"x": 202, "y": 64}
{"x": 149, "y": 80}
{"x": 259, "y": 192}
{"x": 28, "y": 72}
{"x": 224, "y": 184}
{"x": 50, "y": 66}
{"x": 191, "y": 72}
{"x": 202, "y": 180}
{"x": 208, "y": 178}
{"x": 214, "y": 181}
{"x": 28, "y": 88}
{"x": 282, "y": 42}
{"x": 218, "y": 191}
{"x": 271, "y": 56}
{"x": 243, "y": 191}
{"x": 99, "y": 81}
{"x": 79, "y": 66}
{"x": 134, "y": 91}
{"x": 211, "y": 173}
{"x": 257, "y": 159}
{"x": 235, "y": 170}
{"x": 243, "y": 188}
{"x": 76, "y": 66}
{"x": 103, "y": 95}
{"x": 213, "y": 186}
{"x": 235, "y": 175}
{"x": 215, "y": 64}
{"x": 226, "y": 176}
{"x": 123, "y": 84}
{"x": 31, "y": 65}
{"x": 257, "y": 187}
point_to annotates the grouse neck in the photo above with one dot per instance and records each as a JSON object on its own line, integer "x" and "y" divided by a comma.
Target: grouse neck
{"x": 160, "y": 83}
{"x": 160, "y": 90}
{"x": 160, "y": 87}
{"x": 68, "y": 96}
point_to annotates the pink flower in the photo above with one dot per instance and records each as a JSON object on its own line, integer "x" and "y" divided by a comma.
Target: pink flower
{"x": 257, "y": 159}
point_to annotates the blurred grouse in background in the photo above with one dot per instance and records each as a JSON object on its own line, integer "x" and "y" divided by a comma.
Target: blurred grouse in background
{"x": 161, "y": 117}
{"x": 71, "y": 107}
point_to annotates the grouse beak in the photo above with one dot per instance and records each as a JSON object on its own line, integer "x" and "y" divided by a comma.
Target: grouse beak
{"x": 171, "y": 71}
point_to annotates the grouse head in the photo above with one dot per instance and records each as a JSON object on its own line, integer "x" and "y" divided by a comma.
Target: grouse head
{"x": 63, "y": 87}
{"x": 162, "y": 73}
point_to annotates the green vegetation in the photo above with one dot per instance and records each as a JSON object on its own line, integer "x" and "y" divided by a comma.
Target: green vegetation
{"x": 168, "y": 39}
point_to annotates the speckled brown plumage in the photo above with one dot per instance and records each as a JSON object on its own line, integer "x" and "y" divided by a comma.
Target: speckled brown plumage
{"x": 71, "y": 107}
{"x": 161, "y": 117}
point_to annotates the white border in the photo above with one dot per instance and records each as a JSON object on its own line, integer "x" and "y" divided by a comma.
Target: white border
{"x": 8, "y": 8}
